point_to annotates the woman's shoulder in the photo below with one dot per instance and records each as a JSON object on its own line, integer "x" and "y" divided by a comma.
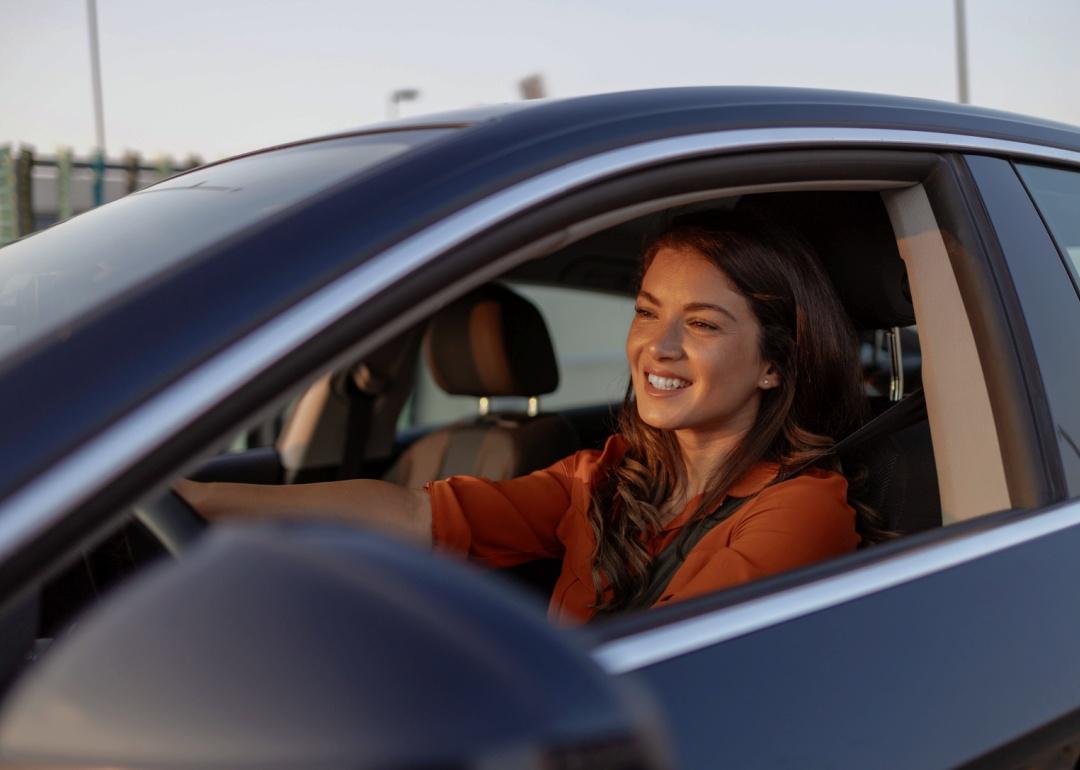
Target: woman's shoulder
{"x": 807, "y": 515}
{"x": 813, "y": 489}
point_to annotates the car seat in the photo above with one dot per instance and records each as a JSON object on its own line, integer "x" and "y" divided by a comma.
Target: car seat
{"x": 490, "y": 343}
{"x": 893, "y": 470}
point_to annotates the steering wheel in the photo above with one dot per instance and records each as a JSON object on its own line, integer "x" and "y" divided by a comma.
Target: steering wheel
{"x": 171, "y": 520}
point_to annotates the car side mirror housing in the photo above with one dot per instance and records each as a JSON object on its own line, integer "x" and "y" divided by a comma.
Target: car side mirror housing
{"x": 304, "y": 645}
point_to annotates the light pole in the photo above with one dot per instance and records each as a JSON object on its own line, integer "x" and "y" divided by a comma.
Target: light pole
{"x": 962, "y": 93}
{"x": 399, "y": 96}
{"x": 95, "y": 71}
{"x": 99, "y": 106}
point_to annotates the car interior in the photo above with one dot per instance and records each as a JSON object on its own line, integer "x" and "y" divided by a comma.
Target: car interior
{"x": 931, "y": 457}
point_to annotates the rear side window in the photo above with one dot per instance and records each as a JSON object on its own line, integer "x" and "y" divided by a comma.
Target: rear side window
{"x": 1057, "y": 194}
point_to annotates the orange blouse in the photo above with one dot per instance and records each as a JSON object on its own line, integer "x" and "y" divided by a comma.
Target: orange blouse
{"x": 544, "y": 516}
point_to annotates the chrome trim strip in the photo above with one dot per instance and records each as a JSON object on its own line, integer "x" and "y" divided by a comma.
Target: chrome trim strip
{"x": 683, "y": 637}
{"x": 47, "y": 498}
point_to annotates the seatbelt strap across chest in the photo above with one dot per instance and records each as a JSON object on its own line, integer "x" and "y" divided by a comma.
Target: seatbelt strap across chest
{"x": 668, "y": 561}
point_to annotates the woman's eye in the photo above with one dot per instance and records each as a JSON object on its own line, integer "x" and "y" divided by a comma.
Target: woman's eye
{"x": 642, "y": 312}
{"x": 705, "y": 325}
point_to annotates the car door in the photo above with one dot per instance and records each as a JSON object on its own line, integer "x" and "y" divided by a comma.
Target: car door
{"x": 953, "y": 652}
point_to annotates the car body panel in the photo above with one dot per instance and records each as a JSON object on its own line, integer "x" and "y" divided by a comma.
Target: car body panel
{"x": 934, "y": 672}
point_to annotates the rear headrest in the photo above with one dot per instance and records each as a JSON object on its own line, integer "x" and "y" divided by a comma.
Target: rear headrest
{"x": 491, "y": 342}
{"x": 851, "y": 233}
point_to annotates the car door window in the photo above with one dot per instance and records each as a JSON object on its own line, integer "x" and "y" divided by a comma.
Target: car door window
{"x": 1056, "y": 193}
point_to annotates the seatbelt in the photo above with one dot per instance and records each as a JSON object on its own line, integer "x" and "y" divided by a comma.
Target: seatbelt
{"x": 667, "y": 562}
{"x": 910, "y": 410}
{"x": 360, "y": 408}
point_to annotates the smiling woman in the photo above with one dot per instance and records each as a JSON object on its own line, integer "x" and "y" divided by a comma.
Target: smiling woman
{"x": 743, "y": 374}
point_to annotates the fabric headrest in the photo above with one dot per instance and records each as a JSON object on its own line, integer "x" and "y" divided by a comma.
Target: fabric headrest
{"x": 491, "y": 342}
{"x": 851, "y": 233}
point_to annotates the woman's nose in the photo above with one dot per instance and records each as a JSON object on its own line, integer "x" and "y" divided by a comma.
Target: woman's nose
{"x": 666, "y": 342}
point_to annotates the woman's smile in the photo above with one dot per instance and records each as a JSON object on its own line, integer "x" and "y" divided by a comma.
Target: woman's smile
{"x": 664, "y": 383}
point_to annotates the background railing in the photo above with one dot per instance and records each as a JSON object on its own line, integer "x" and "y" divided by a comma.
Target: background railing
{"x": 37, "y": 191}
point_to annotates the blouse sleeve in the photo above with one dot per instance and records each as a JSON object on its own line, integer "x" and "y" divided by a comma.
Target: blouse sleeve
{"x": 503, "y": 523}
{"x": 798, "y": 522}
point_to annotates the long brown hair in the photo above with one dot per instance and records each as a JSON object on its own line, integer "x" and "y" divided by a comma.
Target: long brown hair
{"x": 805, "y": 335}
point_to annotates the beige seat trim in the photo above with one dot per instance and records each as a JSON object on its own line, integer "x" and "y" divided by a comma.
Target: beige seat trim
{"x": 971, "y": 471}
{"x": 315, "y": 433}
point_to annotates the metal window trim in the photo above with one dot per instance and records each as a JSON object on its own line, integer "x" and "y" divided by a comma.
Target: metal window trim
{"x": 47, "y": 498}
{"x": 646, "y": 648}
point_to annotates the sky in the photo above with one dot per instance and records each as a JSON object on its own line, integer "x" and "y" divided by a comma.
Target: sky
{"x": 219, "y": 77}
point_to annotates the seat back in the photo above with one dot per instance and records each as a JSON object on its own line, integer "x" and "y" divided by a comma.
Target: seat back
{"x": 891, "y": 465}
{"x": 490, "y": 343}
{"x": 894, "y": 472}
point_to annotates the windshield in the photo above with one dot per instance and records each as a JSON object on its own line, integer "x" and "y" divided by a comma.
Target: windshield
{"x": 49, "y": 279}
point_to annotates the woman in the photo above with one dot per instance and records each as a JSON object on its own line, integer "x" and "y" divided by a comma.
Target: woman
{"x": 744, "y": 372}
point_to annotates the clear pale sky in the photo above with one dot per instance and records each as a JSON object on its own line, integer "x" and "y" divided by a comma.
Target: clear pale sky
{"x": 218, "y": 77}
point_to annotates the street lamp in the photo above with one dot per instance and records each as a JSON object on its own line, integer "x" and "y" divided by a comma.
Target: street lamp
{"x": 962, "y": 90}
{"x": 95, "y": 75}
{"x": 99, "y": 108}
{"x": 399, "y": 96}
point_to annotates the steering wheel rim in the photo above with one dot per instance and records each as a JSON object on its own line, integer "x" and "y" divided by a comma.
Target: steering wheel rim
{"x": 171, "y": 520}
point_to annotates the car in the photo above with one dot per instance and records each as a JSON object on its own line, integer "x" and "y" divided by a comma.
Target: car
{"x": 262, "y": 319}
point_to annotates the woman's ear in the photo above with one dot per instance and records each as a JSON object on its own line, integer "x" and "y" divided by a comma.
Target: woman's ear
{"x": 770, "y": 378}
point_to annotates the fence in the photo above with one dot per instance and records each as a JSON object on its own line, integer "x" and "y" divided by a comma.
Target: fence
{"x": 38, "y": 191}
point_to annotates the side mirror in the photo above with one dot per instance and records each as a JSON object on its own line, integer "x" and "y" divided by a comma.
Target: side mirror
{"x": 316, "y": 645}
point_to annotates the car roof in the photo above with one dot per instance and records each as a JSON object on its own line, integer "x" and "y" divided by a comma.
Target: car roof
{"x": 751, "y": 106}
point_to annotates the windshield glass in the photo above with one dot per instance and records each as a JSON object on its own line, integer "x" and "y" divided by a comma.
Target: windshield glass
{"x": 49, "y": 279}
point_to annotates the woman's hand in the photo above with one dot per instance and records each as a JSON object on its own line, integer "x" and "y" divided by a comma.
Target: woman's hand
{"x": 363, "y": 502}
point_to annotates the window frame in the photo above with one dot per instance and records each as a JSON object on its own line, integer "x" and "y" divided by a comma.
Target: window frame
{"x": 379, "y": 298}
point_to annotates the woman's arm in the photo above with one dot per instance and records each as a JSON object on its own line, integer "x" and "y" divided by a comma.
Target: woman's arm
{"x": 367, "y": 502}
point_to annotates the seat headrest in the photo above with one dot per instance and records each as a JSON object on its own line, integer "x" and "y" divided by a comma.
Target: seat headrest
{"x": 851, "y": 233}
{"x": 491, "y": 342}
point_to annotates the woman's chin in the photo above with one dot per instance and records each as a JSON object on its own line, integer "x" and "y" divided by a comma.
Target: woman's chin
{"x": 657, "y": 420}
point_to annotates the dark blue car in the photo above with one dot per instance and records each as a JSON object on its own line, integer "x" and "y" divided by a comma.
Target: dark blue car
{"x": 263, "y": 319}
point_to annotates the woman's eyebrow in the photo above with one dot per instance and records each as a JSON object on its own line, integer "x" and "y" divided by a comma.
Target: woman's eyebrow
{"x": 691, "y": 306}
{"x": 710, "y": 306}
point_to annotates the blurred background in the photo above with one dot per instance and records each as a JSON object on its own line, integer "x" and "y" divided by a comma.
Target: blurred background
{"x": 187, "y": 81}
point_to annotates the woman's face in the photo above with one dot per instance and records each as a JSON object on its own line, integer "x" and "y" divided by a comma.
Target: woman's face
{"x": 694, "y": 351}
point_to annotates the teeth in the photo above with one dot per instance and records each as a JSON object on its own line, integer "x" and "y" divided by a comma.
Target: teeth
{"x": 667, "y": 383}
